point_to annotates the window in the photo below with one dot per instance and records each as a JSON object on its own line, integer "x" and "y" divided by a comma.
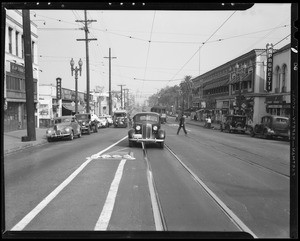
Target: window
{"x": 10, "y": 40}
{"x": 277, "y": 72}
{"x": 284, "y": 78}
{"x": 22, "y": 46}
{"x": 17, "y": 43}
{"x": 32, "y": 51}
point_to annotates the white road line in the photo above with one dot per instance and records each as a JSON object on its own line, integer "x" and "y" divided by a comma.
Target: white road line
{"x": 108, "y": 207}
{"x": 30, "y": 216}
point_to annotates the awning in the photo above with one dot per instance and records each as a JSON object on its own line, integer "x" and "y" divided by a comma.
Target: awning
{"x": 248, "y": 77}
{"x": 216, "y": 84}
{"x": 70, "y": 107}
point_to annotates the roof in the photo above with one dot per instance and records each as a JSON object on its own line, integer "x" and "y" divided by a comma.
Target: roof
{"x": 120, "y": 111}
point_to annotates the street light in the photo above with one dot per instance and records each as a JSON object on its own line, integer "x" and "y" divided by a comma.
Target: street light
{"x": 76, "y": 78}
{"x": 240, "y": 70}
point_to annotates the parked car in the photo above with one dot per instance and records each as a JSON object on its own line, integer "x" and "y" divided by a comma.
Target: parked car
{"x": 63, "y": 127}
{"x": 120, "y": 118}
{"x": 109, "y": 119}
{"x": 103, "y": 122}
{"x": 87, "y": 124}
{"x": 234, "y": 123}
{"x": 146, "y": 127}
{"x": 272, "y": 126}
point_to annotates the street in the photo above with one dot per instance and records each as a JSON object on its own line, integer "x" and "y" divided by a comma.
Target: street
{"x": 205, "y": 181}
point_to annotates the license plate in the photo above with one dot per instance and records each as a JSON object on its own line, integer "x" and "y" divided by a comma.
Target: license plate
{"x": 137, "y": 136}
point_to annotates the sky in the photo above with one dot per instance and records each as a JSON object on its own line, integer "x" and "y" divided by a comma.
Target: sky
{"x": 153, "y": 49}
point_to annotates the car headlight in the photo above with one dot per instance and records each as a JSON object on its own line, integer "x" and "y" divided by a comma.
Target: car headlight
{"x": 137, "y": 128}
{"x": 67, "y": 129}
{"x": 155, "y": 128}
{"x": 48, "y": 132}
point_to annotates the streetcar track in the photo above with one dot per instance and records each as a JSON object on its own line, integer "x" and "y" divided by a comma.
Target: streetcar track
{"x": 218, "y": 201}
{"x": 241, "y": 159}
{"x": 160, "y": 222}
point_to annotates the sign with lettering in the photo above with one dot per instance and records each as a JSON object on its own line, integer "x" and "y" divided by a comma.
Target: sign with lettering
{"x": 15, "y": 68}
{"x": 58, "y": 88}
{"x": 269, "y": 66}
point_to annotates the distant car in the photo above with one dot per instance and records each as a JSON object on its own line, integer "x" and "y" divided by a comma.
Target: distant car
{"x": 109, "y": 119}
{"x": 103, "y": 122}
{"x": 146, "y": 127}
{"x": 63, "y": 127}
{"x": 273, "y": 126}
{"x": 86, "y": 122}
{"x": 120, "y": 118}
{"x": 234, "y": 123}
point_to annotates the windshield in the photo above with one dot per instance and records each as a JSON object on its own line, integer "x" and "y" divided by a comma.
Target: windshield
{"x": 144, "y": 168}
{"x": 82, "y": 117}
{"x": 146, "y": 118}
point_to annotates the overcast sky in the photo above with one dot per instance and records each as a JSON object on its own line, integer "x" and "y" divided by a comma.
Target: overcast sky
{"x": 153, "y": 49}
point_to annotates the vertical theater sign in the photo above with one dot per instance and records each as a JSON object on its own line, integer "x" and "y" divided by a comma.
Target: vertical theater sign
{"x": 269, "y": 48}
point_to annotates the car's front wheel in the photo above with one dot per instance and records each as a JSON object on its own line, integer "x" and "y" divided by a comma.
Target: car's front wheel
{"x": 161, "y": 145}
{"x": 49, "y": 139}
{"x": 71, "y": 136}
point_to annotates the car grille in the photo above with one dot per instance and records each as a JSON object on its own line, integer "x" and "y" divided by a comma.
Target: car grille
{"x": 146, "y": 130}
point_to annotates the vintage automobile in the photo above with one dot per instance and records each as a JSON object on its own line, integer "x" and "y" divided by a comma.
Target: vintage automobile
{"x": 63, "y": 127}
{"x": 87, "y": 123}
{"x": 272, "y": 126}
{"x": 234, "y": 123}
{"x": 146, "y": 127}
{"x": 120, "y": 118}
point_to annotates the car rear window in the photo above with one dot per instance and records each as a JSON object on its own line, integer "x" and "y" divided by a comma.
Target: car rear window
{"x": 281, "y": 120}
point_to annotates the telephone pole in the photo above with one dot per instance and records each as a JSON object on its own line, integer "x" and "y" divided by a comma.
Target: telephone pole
{"x": 121, "y": 96}
{"x": 29, "y": 86}
{"x": 126, "y": 97}
{"x": 87, "y": 58}
{"x": 109, "y": 92}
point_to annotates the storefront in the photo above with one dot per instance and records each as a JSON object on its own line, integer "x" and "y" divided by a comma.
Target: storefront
{"x": 278, "y": 105}
{"x": 15, "y": 117}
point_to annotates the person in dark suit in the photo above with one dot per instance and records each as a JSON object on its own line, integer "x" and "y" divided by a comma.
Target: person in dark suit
{"x": 182, "y": 124}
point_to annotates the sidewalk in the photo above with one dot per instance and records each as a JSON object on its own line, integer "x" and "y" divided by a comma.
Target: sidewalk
{"x": 12, "y": 141}
{"x": 214, "y": 126}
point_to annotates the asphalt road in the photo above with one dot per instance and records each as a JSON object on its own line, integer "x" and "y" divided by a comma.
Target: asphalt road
{"x": 206, "y": 181}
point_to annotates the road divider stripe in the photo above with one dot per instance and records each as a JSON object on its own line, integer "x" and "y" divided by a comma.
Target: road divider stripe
{"x": 30, "y": 216}
{"x": 108, "y": 207}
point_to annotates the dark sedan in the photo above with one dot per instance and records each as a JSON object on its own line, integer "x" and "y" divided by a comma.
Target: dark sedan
{"x": 146, "y": 127}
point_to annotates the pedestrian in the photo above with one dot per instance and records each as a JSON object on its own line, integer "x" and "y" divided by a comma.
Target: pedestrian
{"x": 208, "y": 122}
{"x": 182, "y": 124}
{"x": 176, "y": 119}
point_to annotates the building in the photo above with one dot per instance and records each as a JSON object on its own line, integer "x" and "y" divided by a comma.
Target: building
{"x": 278, "y": 102}
{"x": 14, "y": 76}
{"x": 239, "y": 87}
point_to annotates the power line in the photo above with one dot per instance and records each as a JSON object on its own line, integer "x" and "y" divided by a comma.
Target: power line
{"x": 204, "y": 43}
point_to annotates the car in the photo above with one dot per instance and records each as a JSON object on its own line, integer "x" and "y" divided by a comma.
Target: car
{"x": 103, "y": 122}
{"x": 234, "y": 123}
{"x": 86, "y": 122}
{"x": 146, "y": 127}
{"x": 120, "y": 118}
{"x": 109, "y": 119}
{"x": 273, "y": 126}
{"x": 63, "y": 127}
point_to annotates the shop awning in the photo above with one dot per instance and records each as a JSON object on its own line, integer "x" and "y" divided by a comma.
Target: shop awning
{"x": 248, "y": 77}
{"x": 70, "y": 107}
{"x": 215, "y": 84}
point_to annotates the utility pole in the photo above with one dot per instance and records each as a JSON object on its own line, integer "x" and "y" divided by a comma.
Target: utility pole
{"x": 121, "y": 96}
{"x": 29, "y": 86}
{"x": 126, "y": 96}
{"x": 110, "y": 109}
{"x": 87, "y": 58}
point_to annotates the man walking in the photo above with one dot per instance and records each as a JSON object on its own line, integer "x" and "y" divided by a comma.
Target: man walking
{"x": 182, "y": 124}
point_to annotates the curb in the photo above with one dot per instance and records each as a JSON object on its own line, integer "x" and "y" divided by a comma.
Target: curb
{"x": 26, "y": 146}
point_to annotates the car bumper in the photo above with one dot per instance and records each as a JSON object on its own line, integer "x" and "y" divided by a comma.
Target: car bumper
{"x": 146, "y": 140}
{"x": 61, "y": 135}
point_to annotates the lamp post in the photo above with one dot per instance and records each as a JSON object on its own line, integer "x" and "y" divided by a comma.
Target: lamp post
{"x": 76, "y": 80}
{"x": 240, "y": 70}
